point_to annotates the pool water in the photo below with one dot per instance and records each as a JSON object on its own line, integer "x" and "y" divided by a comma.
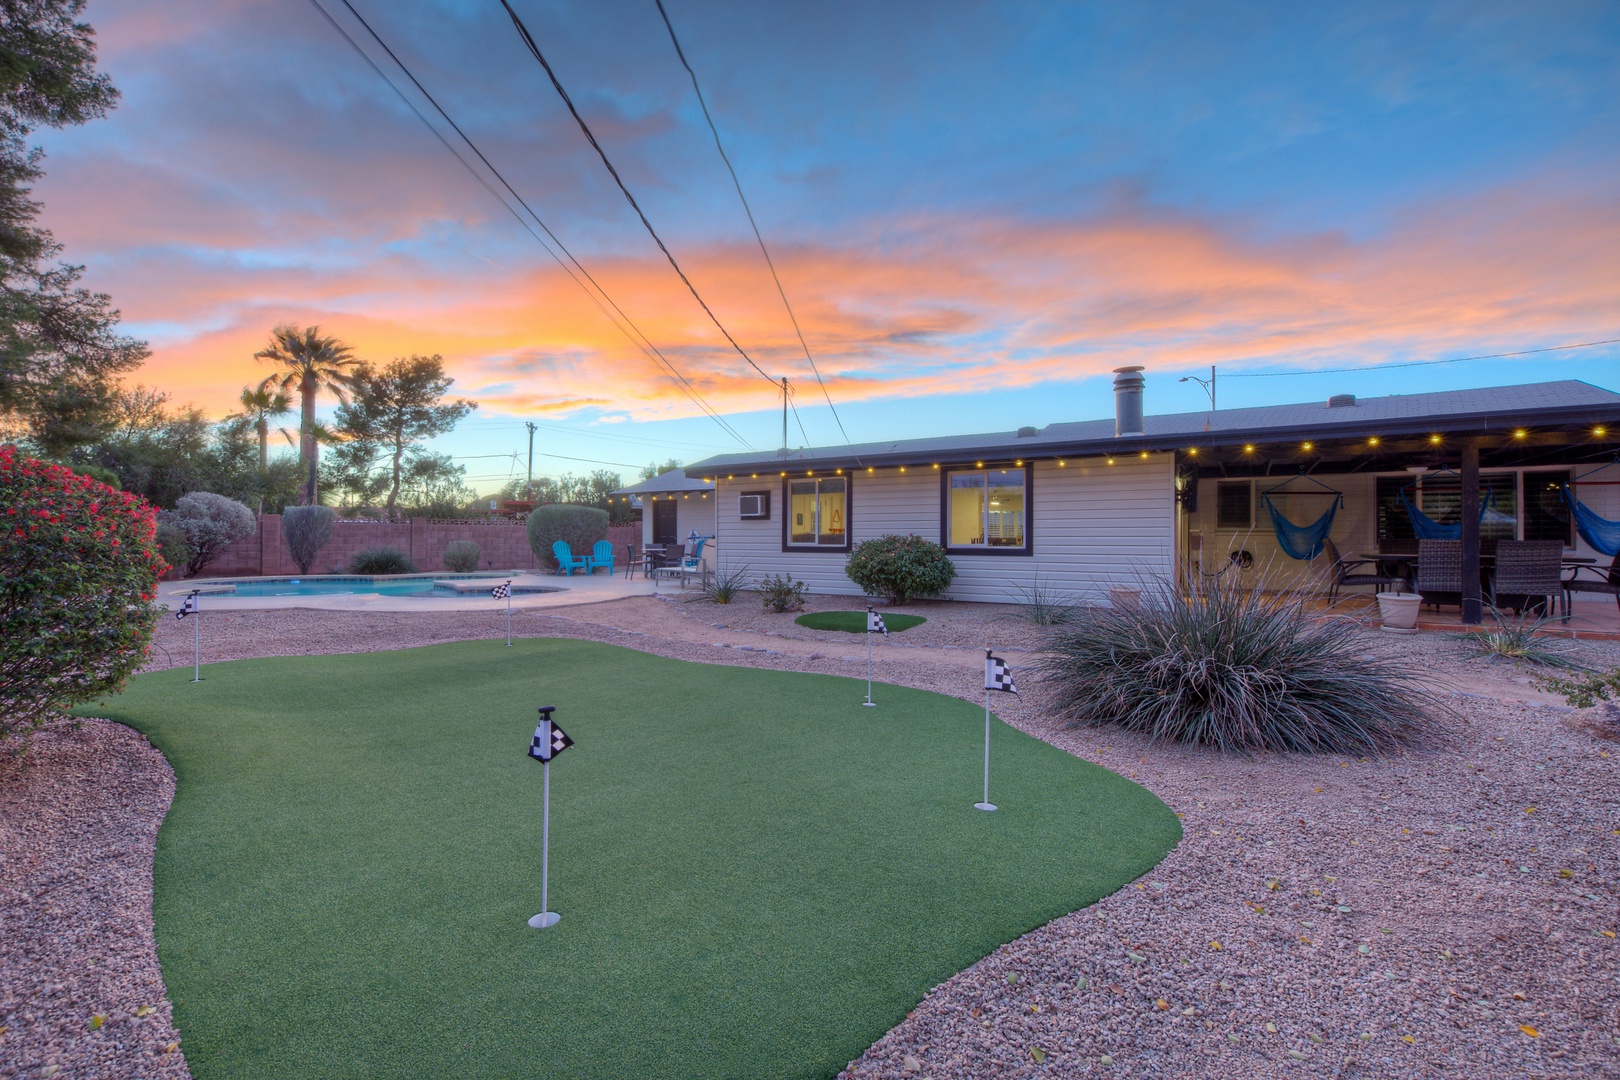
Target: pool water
{"x": 338, "y": 586}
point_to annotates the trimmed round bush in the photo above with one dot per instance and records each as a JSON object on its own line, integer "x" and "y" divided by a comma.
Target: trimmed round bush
{"x": 78, "y": 574}
{"x": 899, "y": 568}
{"x": 580, "y": 526}
{"x": 461, "y": 556}
{"x": 211, "y": 523}
{"x": 1223, "y": 664}
{"x": 381, "y": 560}
{"x": 306, "y": 530}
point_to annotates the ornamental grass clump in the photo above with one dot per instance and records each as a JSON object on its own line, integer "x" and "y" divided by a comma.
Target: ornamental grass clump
{"x": 78, "y": 573}
{"x": 1226, "y": 665}
{"x": 381, "y": 560}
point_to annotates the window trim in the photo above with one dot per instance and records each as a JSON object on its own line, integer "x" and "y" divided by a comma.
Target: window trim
{"x": 945, "y": 472}
{"x": 787, "y": 514}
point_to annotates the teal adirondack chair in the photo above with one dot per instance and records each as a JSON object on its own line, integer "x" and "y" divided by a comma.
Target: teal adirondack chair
{"x": 567, "y": 561}
{"x": 602, "y": 555}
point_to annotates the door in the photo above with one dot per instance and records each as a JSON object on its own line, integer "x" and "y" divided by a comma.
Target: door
{"x": 664, "y": 530}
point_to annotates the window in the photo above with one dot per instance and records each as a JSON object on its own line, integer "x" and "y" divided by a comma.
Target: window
{"x": 817, "y": 514}
{"x": 1234, "y": 504}
{"x": 1546, "y": 514}
{"x": 1439, "y": 496}
{"x": 987, "y": 510}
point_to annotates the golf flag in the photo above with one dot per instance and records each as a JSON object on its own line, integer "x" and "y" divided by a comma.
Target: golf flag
{"x": 502, "y": 591}
{"x": 549, "y": 739}
{"x": 874, "y": 621}
{"x": 187, "y": 608}
{"x": 997, "y": 675}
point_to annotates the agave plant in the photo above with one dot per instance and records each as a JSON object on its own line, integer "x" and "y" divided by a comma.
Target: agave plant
{"x": 1520, "y": 640}
{"x": 722, "y": 587}
{"x": 1223, "y": 664}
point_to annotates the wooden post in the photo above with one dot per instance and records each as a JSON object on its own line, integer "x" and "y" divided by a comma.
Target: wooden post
{"x": 1473, "y": 612}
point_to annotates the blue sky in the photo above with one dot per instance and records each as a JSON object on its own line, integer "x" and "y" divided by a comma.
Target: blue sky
{"x": 977, "y": 210}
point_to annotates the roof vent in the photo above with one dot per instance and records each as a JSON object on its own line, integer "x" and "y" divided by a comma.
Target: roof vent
{"x": 1341, "y": 401}
{"x": 1127, "y": 401}
{"x": 1028, "y": 432}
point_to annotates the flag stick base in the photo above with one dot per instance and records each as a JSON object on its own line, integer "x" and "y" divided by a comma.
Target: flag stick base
{"x": 984, "y": 806}
{"x": 545, "y": 919}
{"x": 870, "y": 704}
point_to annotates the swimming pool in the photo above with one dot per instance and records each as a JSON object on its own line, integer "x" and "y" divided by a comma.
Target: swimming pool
{"x": 347, "y": 586}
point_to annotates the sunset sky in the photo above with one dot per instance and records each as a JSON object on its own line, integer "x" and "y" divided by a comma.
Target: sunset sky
{"x": 976, "y": 210}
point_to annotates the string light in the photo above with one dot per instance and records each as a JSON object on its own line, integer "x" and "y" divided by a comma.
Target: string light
{"x": 1305, "y": 446}
{"x": 1373, "y": 441}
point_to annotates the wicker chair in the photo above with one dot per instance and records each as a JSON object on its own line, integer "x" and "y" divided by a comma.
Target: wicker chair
{"x": 1527, "y": 575}
{"x": 1602, "y": 581}
{"x": 1439, "y": 572}
{"x": 1343, "y": 575}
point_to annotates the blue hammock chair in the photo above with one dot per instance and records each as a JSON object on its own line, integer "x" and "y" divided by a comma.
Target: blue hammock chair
{"x": 1303, "y": 542}
{"x": 1425, "y": 527}
{"x": 1600, "y": 532}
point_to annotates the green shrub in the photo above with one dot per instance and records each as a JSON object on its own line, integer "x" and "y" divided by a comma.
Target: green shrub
{"x": 1228, "y": 666}
{"x": 381, "y": 560}
{"x": 78, "y": 573}
{"x": 898, "y": 568}
{"x": 211, "y": 523}
{"x": 461, "y": 556}
{"x": 1583, "y": 690}
{"x": 580, "y": 526}
{"x": 781, "y": 593}
{"x": 306, "y": 530}
{"x": 172, "y": 546}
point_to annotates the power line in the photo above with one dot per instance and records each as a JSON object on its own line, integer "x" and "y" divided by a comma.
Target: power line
{"x": 702, "y": 103}
{"x": 534, "y": 50}
{"x": 645, "y": 345}
{"x": 1417, "y": 363}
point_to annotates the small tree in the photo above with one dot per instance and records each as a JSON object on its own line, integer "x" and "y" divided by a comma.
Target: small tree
{"x": 397, "y": 407}
{"x": 78, "y": 573}
{"x": 461, "y": 556}
{"x": 306, "y": 530}
{"x": 211, "y": 523}
{"x": 898, "y": 568}
{"x": 580, "y": 526}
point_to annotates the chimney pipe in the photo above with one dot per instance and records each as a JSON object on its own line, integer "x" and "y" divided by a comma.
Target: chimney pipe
{"x": 1127, "y": 401}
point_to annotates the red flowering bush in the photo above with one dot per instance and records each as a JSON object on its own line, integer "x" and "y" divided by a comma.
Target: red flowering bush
{"x": 78, "y": 576}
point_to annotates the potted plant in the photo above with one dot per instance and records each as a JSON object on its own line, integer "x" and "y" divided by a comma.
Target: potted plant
{"x": 1399, "y": 611}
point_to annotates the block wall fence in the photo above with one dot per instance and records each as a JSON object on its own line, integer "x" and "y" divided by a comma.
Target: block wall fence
{"x": 502, "y": 545}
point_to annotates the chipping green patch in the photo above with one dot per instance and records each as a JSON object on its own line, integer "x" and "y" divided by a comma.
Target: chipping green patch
{"x": 757, "y": 876}
{"x": 854, "y": 622}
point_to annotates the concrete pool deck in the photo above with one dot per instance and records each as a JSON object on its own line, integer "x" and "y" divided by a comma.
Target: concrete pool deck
{"x": 571, "y": 590}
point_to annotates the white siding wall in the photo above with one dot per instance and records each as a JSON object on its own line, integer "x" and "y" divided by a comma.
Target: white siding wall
{"x": 1094, "y": 525}
{"x": 693, "y": 511}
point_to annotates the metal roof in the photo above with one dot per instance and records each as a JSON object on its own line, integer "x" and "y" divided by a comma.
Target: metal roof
{"x": 1446, "y": 411}
{"x": 674, "y": 480}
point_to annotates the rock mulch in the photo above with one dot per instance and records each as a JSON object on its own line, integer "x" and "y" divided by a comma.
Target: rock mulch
{"x": 1446, "y": 911}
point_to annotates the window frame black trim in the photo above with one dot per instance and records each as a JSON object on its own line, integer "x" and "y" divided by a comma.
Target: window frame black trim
{"x": 985, "y": 549}
{"x": 849, "y": 515}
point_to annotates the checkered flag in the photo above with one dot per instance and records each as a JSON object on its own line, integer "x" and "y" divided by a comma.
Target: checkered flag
{"x": 502, "y": 591}
{"x": 189, "y": 607}
{"x": 549, "y": 739}
{"x": 874, "y": 621}
{"x": 997, "y": 675}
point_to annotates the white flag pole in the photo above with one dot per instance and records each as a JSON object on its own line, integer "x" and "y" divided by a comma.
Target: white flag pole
{"x": 869, "y": 700}
{"x": 986, "y": 804}
{"x": 196, "y": 646}
{"x": 547, "y": 917}
{"x": 509, "y": 623}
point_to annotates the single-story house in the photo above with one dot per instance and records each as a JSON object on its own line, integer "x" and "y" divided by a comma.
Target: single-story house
{"x": 674, "y": 506}
{"x": 1081, "y": 507}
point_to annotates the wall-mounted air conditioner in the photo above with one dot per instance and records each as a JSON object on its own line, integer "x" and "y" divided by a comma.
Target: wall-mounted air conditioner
{"x": 754, "y": 504}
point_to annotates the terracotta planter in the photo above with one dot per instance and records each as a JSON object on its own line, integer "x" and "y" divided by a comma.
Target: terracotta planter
{"x": 1399, "y": 611}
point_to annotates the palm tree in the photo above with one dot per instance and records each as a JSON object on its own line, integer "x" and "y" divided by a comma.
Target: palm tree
{"x": 309, "y": 362}
{"x": 259, "y": 406}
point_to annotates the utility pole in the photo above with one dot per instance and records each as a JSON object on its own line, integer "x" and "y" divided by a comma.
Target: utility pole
{"x": 528, "y": 486}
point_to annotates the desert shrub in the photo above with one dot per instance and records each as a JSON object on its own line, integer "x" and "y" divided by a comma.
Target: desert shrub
{"x": 1584, "y": 689}
{"x": 381, "y": 560}
{"x": 78, "y": 573}
{"x": 1519, "y": 640}
{"x": 461, "y": 556}
{"x": 306, "y": 530}
{"x": 1225, "y": 665}
{"x": 781, "y": 593}
{"x": 1043, "y": 604}
{"x": 580, "y": 526}
{"x": 211, "y": 523}
{"x": 898, "y": 568}
{"x": 723, "y": 587}
{"x": 172, "y": 546}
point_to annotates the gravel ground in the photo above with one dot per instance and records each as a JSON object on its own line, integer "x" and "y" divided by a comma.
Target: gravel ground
{"x": 1445, "y": 911}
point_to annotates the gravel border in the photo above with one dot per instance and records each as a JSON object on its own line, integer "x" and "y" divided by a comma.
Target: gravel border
{"x": 1413, "y": 916}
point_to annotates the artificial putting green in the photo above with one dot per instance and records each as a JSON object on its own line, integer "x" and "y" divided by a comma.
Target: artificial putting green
{"x": 854, "y": 622}
{"x": 757, "y": 876}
